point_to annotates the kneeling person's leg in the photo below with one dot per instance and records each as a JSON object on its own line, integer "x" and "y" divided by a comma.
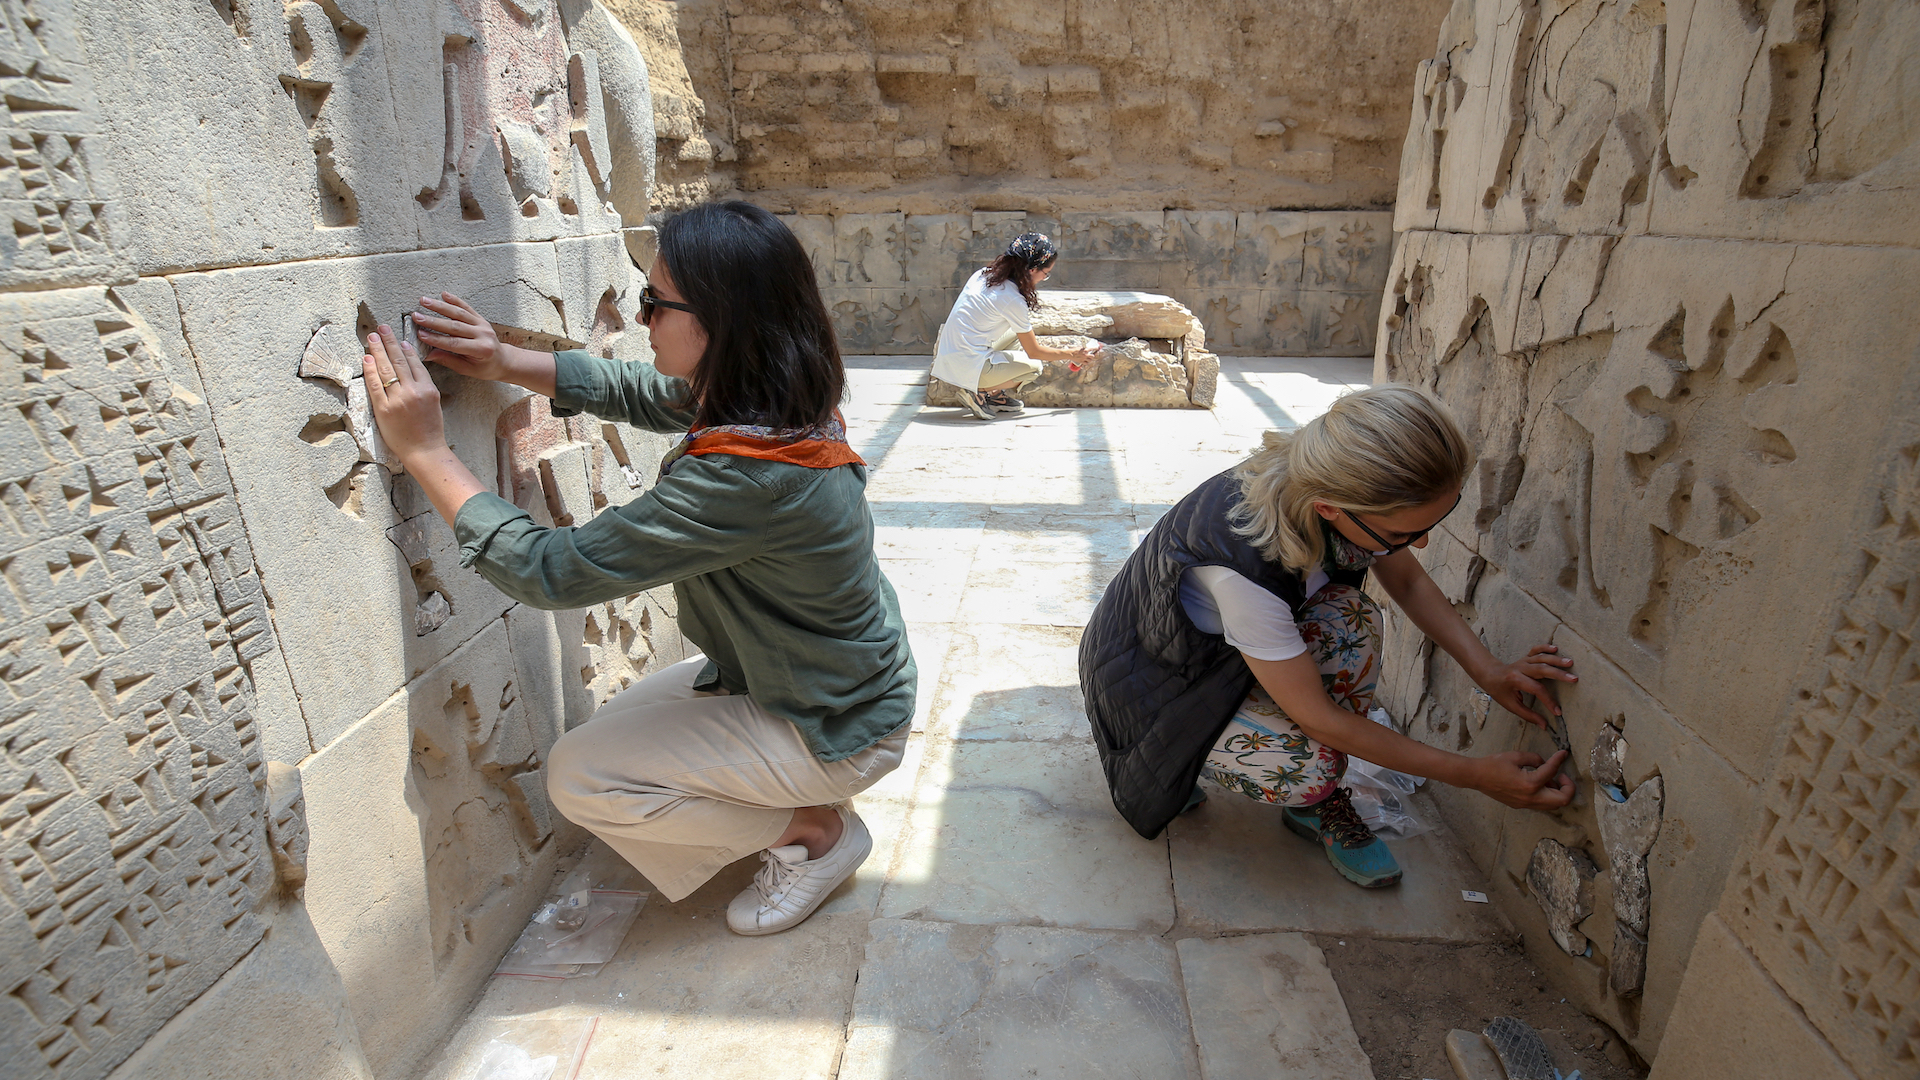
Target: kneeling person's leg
{"x": 681, "y": 788}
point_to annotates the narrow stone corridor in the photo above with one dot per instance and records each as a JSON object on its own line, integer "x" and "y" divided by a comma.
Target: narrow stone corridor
{"x": 1009, "y": 923}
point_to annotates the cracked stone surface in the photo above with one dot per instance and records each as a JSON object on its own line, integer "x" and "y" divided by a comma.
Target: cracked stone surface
{"x": 1009, "y": 923}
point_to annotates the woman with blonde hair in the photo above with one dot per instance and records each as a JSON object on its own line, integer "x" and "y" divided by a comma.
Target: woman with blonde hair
{"x": 1236, "y": 642}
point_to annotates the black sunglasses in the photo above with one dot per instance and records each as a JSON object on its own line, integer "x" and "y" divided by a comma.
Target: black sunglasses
{"x": 1410, "y": 540}
{"x": 650, "y": 300}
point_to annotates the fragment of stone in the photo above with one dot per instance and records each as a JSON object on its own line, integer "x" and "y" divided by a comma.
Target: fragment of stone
{"x": 528, "y": 161}
{"x": 333, "y": 354}
{"x": 1561, "y": 880}
{"x": 1132, "y": 314}
{"x": 366, "y": 432}
{"x": 1203, "y": 375}
{"x": 1607, "y": 761}
{"x": 432, "y": 613}
{"x": 1629, "y": 825}
{"x": 410, "y": 537}
{"x": 1522, "y": 1053}
{"x": 287, "y": 826}
{"x": 1472, "y": 1056}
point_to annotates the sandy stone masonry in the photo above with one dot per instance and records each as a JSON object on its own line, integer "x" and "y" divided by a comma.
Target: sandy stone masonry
{"x": 1235, "y": 156}
{"x": 271, "y": 795}
{"x": 1263, "y": 283}
{"x": 1660, "y": 258}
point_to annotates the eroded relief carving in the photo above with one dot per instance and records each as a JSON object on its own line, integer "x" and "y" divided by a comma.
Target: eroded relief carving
{"x": 1659, "y": 424}
{"x": 51, "y": 150}
{"x": 1826, "y": 898}
{"x": 130, "y": 815}
{"x": 323, "y": 42}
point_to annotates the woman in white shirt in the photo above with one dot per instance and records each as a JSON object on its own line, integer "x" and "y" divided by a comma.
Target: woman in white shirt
{"x": 987, "y": 344}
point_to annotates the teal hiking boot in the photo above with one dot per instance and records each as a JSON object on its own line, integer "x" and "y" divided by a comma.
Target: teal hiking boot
{"x": 1351, "y": 847}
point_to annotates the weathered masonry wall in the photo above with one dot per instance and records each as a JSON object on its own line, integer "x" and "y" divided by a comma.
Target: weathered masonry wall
{"x": 1660, "y": 258}
{"x": 271, "y": 797}
{"x": 1186, "y": 149}
{"x": 1302, "y": 283}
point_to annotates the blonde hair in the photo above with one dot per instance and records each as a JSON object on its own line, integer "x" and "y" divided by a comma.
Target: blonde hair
{"x": 1376, "y": 451}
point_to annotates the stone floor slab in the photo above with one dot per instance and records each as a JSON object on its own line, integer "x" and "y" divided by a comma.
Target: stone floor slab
{"x": 936, "y": 1001}
{"x": 1237, "y": 868}
{"x": 1265, "y": 1005}
{"x": 686, "y": 998}
{"x": 1003, "y": 588}
{"x": 1012, "y": 683}
{"x": 1006, "y": 832}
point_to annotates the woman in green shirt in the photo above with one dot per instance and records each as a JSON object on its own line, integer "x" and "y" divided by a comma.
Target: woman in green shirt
{"x": 759, "y": 520}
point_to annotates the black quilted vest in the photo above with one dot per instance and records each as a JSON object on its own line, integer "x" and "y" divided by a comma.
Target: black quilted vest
{"x": 1159, "y": 691}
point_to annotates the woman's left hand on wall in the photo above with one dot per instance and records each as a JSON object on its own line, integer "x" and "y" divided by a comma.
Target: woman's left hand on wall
{"x": 1531, "y": 675}
{"x": 405, "y": 402}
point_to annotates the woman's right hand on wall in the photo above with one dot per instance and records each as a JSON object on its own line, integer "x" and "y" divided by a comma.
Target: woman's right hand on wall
{"x": 1522, "y": 780}
{"x": 460, "y": 340}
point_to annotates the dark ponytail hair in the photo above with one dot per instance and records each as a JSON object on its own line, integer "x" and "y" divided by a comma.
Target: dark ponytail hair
{"x": 771, "y": 357}
{"x": 1028, "y": 252}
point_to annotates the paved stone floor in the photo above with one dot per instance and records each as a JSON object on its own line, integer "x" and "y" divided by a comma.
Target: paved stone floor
{"x": 1009, "y": 924}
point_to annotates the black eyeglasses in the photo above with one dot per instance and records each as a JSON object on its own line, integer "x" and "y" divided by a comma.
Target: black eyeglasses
{"x": 650, "y": 300}
{"x": 1410, "y": 540}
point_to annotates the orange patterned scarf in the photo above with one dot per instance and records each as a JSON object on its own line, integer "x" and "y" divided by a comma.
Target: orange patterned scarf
{"x": 823, "y": 446}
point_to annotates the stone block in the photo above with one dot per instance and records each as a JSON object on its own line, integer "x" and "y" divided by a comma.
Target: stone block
{"x": 57, "y": 179}
{"x": 1266, "y": 1005}
{"x": 936, "y": 249}
{"x": 429, "y": 845}
{"x": 1732, "y": 1019}
{"x": 1269, "y": 249}
{"x": 908, "y": 320}
{"x": 297, "y": 474}
{"x": 1100, "y": 237}
{"x": 867, "y": 252}
{"x": 1025, "y": 832}
{"x": 1134, "y": 314}
{"x": 1204, "y": 245}
{"x": 325, "y": 131}
{"x": 134, "y": 616}
{"x": 1237, "y": 869}
{"x": 937, "y": 1000}
{"x": 279, "y": 1014}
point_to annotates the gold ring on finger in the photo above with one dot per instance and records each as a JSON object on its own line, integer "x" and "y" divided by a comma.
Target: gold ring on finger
{"x": 389, "y": 382}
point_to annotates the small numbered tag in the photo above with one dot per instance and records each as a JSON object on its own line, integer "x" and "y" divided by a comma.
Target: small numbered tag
{"x": 1472, "y": 897}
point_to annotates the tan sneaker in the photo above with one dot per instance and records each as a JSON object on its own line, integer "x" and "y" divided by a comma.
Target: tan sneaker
{"x": 790, "y": 886}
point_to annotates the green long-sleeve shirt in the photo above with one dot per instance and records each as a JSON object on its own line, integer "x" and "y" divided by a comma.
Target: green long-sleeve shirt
{"x": 772, "y": 564}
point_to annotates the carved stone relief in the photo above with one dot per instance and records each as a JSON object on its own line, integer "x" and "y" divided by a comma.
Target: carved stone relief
{"x": 1663, "y": 427}
{"x": 1301, "y": 283}
{"x": 1825, "y": 895}
{"x": 55, "y": 174}
{"x": 136, "y": 847}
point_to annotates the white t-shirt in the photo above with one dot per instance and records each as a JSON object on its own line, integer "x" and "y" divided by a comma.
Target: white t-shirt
{"x": 1220, "y": 601}
{"x": 982, "y": 318}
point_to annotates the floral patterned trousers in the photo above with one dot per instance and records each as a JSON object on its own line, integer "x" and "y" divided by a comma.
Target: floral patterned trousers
{"x": 1264, "y": 755}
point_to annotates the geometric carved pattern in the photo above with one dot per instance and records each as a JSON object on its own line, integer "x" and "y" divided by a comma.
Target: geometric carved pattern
{"x": 132, "y": 851}
{"x": 53, "y": 210}
{"x": 1830, "y": 897}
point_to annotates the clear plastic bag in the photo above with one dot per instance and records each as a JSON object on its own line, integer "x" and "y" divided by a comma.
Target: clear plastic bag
{"x": 1380, "y": 794}
{"x": 532, "y": 1048}
{"x": 575, "y": 934}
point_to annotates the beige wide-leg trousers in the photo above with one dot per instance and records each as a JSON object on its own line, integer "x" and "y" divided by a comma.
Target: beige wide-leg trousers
{"x": 681, "y": 783}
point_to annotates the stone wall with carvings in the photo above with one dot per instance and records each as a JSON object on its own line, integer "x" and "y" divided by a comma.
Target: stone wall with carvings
{"x": 1263, "y": 283}
{"x": 264, "y": 744}
{"x": 1236, "y": 156}
{"x": 1660, "y": 257}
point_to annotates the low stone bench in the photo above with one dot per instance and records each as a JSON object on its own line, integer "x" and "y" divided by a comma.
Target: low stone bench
{"x": 1154, "y": 354}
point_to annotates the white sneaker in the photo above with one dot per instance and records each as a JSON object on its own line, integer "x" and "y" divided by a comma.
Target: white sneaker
{"x": 789, "y": 886}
